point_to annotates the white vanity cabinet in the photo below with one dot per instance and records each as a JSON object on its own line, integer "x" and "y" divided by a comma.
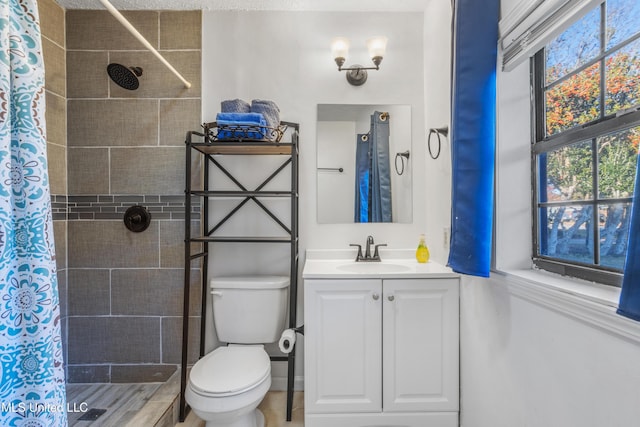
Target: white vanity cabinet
{"x": 381, "y": 352}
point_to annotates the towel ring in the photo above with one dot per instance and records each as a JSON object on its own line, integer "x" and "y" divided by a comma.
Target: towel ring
{"x": 444, "y": 131}
{"x": 402, "y": 157}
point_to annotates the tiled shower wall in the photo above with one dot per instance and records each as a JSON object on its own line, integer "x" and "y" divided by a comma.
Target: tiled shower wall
{"x": 124, "y": 296}
{"x": 53, "y": 47}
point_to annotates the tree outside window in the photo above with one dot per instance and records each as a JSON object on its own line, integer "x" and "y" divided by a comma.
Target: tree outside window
{"x": 587, "y": 94}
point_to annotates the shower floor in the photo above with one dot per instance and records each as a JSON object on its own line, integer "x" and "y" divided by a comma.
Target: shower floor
{"x": 139, "y": 404}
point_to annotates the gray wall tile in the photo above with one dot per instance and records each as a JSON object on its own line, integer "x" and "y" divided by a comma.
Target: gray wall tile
{"x": 60, "y": 239}
{"x": 62, "y": 293}
{"x": 152, "y": 292}
{"x": 51, "y": 20}
{"x": 88, "y": 170}
{"x": 180, "y": 30}
{"x": 98, "y": 30}
{"x": 88, "y": 373}
{"x": 172, "y": 243}
{"x": 57, "y": 168}
{"x": 153, "y": 170}
{"x": 128, "y": 143}
{"x": 141, "y": 373}
{"x": 172, "y": 339}
{"x": 102, "y": 340}
{"x": 157, "y": 81}
{"x": 87, "y": 74}
{"x": 112, "y": 123}
{"x": 108, "y": 244}
{"x": 177, "y": 116}
{"x": 56, "y": 116}
{"x": 55, "y": 67}
{"x": 89, "y": 292}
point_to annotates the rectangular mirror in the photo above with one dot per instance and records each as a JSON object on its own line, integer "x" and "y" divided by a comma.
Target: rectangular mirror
{"x": 364, "y": 163}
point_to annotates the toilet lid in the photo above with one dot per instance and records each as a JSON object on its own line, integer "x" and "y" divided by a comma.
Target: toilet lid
{"x": 230, "y": 370}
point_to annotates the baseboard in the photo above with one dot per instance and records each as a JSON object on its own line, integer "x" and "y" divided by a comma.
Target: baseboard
{"x": 280, "y": 383}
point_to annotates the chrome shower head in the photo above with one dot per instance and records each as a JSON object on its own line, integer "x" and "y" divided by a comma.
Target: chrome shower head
{"x": 125, "y": 77}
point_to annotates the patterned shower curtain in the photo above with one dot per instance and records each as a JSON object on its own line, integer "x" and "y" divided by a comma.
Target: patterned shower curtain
{"x": 32, "y": 389}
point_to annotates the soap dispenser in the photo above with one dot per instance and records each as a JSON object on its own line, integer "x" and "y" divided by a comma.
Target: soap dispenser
{"x": 422, "y": 253}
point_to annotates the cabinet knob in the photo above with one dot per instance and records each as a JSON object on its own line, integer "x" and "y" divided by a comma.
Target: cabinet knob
{"x": 391, "y": 297}
{"x": 376, "y": 297}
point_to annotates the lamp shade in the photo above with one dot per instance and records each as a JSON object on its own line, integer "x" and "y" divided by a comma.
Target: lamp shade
{"x": 377, "y": 46}
{"x": 340, "y": 47}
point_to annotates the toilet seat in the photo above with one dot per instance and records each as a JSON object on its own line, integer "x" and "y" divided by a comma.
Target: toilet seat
{"x": 230, "y": 370}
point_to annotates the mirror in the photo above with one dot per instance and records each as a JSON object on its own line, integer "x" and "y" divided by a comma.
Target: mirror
{"x": 347, "y": 136}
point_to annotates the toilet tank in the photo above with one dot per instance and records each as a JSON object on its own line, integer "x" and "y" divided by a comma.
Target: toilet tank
{"x": 249, "y": 309}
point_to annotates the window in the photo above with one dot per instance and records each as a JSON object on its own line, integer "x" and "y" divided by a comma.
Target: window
{"x": 586, "y": 89}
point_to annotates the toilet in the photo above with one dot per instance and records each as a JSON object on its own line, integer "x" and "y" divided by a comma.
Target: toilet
{"x": 226, "y": 386}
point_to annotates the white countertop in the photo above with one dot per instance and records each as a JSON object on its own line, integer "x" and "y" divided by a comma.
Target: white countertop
{"x": 340, "y": 264}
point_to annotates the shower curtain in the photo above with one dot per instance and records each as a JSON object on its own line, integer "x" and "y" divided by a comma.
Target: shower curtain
{"x": 32, "y": 389}
{"x": 373, "y": 201}
{"x": 363, "y": 166}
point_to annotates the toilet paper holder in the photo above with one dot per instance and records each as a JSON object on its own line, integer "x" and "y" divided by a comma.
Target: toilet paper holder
{"x": 287, "y": 341}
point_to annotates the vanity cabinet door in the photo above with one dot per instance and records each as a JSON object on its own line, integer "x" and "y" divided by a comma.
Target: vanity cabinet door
{"x": 420, "y": 351}
{"x": 343, "y": 337}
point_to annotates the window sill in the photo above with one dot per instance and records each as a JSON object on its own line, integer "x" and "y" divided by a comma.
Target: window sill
{"x": 590, "y": 303}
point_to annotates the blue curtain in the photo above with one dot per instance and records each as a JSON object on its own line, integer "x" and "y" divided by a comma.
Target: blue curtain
{"x": 473, "y": 134}
{"x": 363, "y": 168}
{"x": 380, "y": 168}
{"x": 32, "y": 389}
{"x": 373, "y": 172}
{"x": 629, "y": 305}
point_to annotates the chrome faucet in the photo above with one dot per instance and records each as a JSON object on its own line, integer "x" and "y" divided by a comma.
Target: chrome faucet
{"x": 367, "y": 253}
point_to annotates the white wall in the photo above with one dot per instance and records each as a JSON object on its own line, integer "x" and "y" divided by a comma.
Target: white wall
{"x": 437, "y": 81}
{"x": 524, "y": 364}
{"x": 336, "y": 140}
{"x": 285, "y": 57}
{"x": 527, "y": 361}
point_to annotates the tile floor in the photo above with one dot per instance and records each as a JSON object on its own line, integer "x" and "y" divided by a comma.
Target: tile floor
{"x": 274, "y": 407}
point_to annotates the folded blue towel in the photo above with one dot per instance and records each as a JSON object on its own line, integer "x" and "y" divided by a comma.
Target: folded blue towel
{"x": 270, "y": 111}
{"x": 241, "y": 126}
{"x": 235, "y": 106}
{"x": 241, "y": 117}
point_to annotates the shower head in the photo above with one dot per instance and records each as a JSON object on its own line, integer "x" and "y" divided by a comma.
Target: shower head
{"x": 124, "y": 77}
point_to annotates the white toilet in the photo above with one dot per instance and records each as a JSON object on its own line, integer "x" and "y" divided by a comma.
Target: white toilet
{"x": 226, "y": 386}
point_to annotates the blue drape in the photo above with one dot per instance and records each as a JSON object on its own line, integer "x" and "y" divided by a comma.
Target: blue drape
{"x": 380, "y": 168}
{"x": 32, "y": 389}
{"x": 473, "y": 134}
{"x": 373, "y": 172}
{"x": 363, "y": 167}
{"x": 629, "y": 305}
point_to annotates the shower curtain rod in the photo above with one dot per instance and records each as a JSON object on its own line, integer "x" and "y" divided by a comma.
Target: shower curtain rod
{"x": 142, "y": 40}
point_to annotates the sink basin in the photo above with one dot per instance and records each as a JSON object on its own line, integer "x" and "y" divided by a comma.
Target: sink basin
{"x": 372, "y": 267}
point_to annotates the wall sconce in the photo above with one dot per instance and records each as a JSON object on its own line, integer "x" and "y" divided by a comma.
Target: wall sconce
{"x": 357, "y": 74}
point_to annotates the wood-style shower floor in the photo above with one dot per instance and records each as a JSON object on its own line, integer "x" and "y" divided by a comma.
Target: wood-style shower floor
{"x": 121, "y": 401}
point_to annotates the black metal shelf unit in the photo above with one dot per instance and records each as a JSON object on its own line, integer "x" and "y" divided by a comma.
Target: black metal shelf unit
{"x": 209, "y": 145}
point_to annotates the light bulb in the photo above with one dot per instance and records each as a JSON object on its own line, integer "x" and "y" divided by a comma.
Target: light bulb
{"x": 377, "y": 47}
{"x": 340, "y": 47}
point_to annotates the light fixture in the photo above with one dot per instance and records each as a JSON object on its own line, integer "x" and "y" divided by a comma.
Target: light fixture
{"x": 357, "y": 74}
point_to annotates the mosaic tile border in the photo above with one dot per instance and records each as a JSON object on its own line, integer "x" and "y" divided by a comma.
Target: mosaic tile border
{"x": 112, "y": 207}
